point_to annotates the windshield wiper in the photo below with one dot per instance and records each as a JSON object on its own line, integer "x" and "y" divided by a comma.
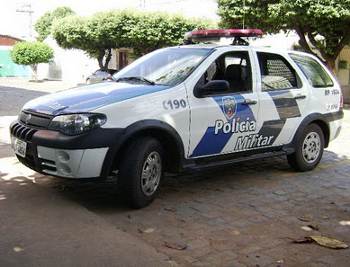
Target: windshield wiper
{"x": 136, "y": 78}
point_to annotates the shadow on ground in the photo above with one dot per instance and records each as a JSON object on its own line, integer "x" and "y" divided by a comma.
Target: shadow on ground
{"x": 103, "y": 196}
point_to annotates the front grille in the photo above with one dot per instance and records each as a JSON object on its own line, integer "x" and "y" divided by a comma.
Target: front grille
{"x": 46, "y": 164}
{"x": 25, "y": 133}
{"x": 37, "y": 120}
{"x": 22, "y": 132}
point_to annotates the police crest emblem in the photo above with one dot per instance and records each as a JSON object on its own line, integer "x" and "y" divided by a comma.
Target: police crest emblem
{"x": 229, "y": 107}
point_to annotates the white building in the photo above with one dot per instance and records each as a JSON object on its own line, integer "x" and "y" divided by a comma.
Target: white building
{"x": 71, "y": 65}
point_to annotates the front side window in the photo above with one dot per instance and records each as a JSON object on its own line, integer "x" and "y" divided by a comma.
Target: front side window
{"x": 314, "y": 72}
{"x": 168, "y": 66}
{"x": 233, "y": 67}
{"x": 276, "y": 72}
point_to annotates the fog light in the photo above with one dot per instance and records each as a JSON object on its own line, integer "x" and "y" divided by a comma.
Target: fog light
{"x": 63, "y": 156}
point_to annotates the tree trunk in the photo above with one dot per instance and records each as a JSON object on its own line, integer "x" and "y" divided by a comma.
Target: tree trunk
{"x": 103, "y": 58}
{"x": 330, "y": 62}
{"x": 101, "y": 54}
{"x": 34, "y": 68}
{"x": 108, "y": 58}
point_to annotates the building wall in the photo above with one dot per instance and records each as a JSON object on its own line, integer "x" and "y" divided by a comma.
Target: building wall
{"x": 8, "y": 68}
{"x": 69, "y": 65}
{"x": 116, "y": 61}
{"x": 343, "y": 73}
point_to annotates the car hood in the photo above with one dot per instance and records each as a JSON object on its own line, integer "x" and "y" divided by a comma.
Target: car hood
{"x": 88, "y": 98}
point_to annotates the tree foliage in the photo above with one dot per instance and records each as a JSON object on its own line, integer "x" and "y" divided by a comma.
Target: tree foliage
{"x": 143, "y": 32}
{"x": 31, "y": 53}
{"x": 322, "y": 25}
{"x": 44, "y": 23}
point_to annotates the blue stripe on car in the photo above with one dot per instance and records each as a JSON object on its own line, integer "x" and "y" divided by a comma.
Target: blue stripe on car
{"x": 212, "y": 143}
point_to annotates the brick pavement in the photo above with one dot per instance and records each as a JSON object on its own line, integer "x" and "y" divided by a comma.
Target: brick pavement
{"x": 242, "y": 215}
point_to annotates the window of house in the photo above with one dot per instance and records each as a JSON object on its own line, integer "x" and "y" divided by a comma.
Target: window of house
{"x": 314, "y": 72}
{"x": 233, "y": 67}
{"x": 276, "y": 73}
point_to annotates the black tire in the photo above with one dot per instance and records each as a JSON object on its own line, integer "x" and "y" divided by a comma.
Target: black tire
{"x": 131, "y": 169}
{"x": 297, "y": 159}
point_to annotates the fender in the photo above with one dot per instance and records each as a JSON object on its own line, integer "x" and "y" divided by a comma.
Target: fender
{"x": 139, "y": 128}
{"x": 149, "y": 125}
{"x": 323, "y": 118}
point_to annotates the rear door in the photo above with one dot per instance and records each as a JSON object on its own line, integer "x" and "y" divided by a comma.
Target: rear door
{"x": 283, "y": 97}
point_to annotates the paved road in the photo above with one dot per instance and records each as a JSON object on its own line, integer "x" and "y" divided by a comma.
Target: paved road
{"x": 242, "y": 215}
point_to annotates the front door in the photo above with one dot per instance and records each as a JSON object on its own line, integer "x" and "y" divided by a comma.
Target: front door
{"x": 225, "y": 123}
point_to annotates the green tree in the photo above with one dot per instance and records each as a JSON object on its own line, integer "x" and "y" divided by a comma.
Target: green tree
{"x": 157, "y": 30}
{"x": 31, "y": 53}
{"x": 323, "y": 26}
{"x": 89, "y": 35}
{"x": 44, "y": 23}
{"x": 99, "y": 34}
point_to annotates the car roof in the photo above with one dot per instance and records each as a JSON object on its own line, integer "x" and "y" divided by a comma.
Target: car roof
{"x": 199, "y": 46}
{"x": 237, "y": 47}
{"x": 265, "y": 49}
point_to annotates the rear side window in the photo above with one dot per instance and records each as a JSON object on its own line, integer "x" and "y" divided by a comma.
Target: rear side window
{"x": 276, "y": 72}
{"x": 314, "y": 72}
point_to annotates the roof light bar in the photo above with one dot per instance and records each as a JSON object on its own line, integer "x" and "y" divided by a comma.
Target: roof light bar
{"x": 229, "y": 33}
{"x": 216, "y": 34}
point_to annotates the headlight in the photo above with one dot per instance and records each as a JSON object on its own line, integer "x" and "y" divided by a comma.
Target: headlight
{"x": 74, "y": 124}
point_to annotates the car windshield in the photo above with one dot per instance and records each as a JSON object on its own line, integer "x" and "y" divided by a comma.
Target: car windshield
{"x": 169, "y": 66}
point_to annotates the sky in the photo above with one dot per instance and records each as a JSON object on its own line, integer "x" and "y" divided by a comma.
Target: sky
{"x": 17, "y": 23}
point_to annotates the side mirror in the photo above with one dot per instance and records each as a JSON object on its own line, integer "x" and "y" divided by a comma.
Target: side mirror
{"x": 215, "y": 87}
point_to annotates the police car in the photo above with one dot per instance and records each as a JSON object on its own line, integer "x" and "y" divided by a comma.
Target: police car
{"x": 184, "y": 108}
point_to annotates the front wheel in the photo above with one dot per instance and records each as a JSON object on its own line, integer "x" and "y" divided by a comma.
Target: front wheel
{"x": 141, "y": 171}
{"x": 308, "y": 149}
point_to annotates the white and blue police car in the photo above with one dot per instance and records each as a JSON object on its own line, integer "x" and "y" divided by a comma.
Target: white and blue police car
{"x": 184, "y": 108}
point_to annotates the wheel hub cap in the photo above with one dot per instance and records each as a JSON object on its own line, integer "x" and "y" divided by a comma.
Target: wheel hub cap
{"x": 151, "y": 173}
{"x": 311, "y": 147}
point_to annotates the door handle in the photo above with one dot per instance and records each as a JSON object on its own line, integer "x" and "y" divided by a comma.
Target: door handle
{"x": 300, "y": 96}
{"x": 249, "y": 102}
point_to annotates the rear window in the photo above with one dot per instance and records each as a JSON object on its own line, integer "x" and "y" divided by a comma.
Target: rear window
{"x": 276, "y": 73}
{"x": 314, "y": 71}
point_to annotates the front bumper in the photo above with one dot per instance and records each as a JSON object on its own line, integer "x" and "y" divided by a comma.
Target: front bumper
{"x": 49, "y": 152}
{"x": 75, "y": 163}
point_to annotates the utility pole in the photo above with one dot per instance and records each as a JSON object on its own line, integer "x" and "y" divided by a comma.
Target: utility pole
{"x": 243, "y": 15}
{"x": 142, "y": 4}
{"x": 27, "y": 9}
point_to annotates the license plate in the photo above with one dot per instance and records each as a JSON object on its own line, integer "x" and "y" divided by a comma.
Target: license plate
{"x": 20, "y": 147}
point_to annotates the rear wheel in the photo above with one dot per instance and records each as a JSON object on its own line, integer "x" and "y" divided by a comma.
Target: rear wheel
{"x": 308, "y": 150}
{"x": 141, "y": 171}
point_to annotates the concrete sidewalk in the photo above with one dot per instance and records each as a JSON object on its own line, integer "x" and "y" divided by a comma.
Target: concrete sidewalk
{"x": 45, "y": 86}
